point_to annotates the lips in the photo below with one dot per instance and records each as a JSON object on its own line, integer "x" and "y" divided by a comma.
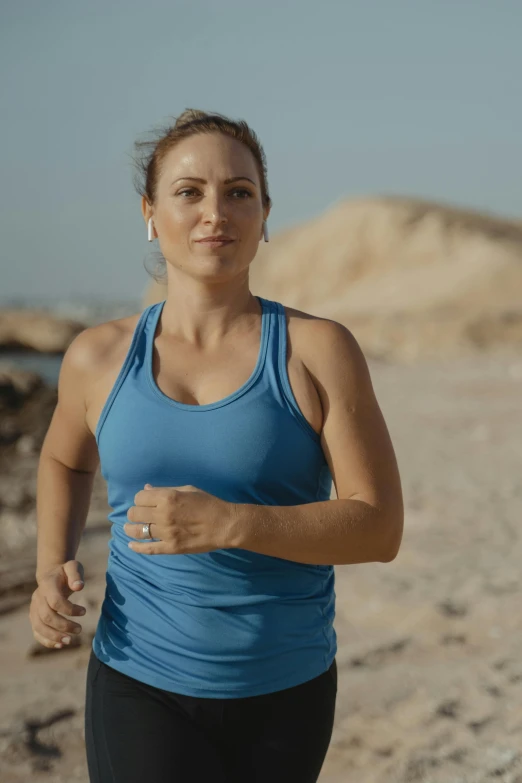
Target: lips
{"x": 215, "y": 240}
{"x": 215, "y": 244}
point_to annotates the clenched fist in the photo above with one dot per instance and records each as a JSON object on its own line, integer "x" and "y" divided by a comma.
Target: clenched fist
{"x": 184, "y": 520}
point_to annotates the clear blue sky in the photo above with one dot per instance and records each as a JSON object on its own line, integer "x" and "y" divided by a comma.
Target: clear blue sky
{"x": 348, "y": 98}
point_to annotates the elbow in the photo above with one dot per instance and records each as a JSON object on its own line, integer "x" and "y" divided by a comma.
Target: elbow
{"x": 392, "y": 540}
{"x": 388, "y": 558}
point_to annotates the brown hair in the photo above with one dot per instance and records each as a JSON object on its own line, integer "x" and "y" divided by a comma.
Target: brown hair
{"x": 150, "y": 154}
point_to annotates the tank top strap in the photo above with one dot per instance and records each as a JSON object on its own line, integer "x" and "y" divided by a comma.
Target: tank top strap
{"x": 269, "y": 348}
{"x": 252, "y": 384}
{"x": 135, "y": 354}
{"x": 277, "y": 368}
{"x": 270, "y": 310}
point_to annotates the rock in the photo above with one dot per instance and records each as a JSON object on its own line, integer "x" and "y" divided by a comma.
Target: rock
{"x": 27, "y": 404}
{"x": 18, "y": 533}
{"x": 16, "y": 385}
{"x": 9, "y": 431}
{"x": 15, "y": 496}
{"x": 380, "y": 655}
{"x": 26, "y": 445}
{"x": 452, "y": 608}
{"x": 37, "y": 331}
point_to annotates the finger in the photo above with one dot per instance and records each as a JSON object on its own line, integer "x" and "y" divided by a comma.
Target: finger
{"x": 136, "y": 531}
{"x": 53, "y": 620}
{"x": 58, "y": 603}
{"x": 49, "y": 637}
{"x": 78, "y": 610}
{"x": 138, "y": 515}
{"x": 148, "y": 497}
{"x": 56, "y": 635}
{"x": 49, "y": 643}
{"x": 75, "y": 573}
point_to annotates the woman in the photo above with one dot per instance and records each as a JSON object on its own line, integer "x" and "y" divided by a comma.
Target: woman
{"x": 214, "y": 655}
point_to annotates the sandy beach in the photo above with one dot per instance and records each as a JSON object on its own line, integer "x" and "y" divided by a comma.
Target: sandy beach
{"x": 429, "y": 645}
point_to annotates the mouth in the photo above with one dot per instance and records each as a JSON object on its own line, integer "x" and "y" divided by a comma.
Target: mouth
{"x": 215, "y": 242}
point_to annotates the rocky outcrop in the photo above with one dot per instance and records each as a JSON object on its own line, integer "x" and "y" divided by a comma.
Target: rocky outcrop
{"x": 36, "y": 331}
{"x": 27, "y": 404}
{"x": 26, "y": 407}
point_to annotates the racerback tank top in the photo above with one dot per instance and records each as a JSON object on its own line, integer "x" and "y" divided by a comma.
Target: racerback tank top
{"x": 227, "y": 623}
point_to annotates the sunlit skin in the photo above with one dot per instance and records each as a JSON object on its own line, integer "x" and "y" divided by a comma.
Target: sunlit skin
{"x": 208, "y": 297}
{"x": 208, "y": 288}
{"x": 208, "y": 304}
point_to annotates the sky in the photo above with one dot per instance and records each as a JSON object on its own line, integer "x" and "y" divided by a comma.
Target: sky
{"x": 349, "y": 99}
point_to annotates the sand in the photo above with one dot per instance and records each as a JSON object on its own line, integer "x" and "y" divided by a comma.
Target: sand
{"x": 429, "y": 645}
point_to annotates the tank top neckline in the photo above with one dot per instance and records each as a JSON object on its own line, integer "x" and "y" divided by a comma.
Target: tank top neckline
{"x": 265, "y": 323}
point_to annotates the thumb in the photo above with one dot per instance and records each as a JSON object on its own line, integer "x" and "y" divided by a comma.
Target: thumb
{"x": 148, "y": 486}
{"x": 74, "y": 572}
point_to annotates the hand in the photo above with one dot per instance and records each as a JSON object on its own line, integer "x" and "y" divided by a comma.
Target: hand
{"x": 50, "y": 598}
{"x": 186, "y": 519}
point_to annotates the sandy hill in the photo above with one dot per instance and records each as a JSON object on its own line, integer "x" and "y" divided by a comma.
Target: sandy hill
{"x": 412, "y": 279}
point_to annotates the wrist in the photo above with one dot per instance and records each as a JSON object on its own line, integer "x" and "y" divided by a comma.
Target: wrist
{"x": 238, "y": 522}
{"x": 43, "y": 571}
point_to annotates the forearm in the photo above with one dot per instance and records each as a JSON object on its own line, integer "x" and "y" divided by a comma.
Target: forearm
{"x": 330, "y": 532}
{"x": 62, "y": 504}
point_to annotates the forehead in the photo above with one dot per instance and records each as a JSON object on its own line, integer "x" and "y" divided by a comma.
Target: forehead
{"x": 207, "y": 153}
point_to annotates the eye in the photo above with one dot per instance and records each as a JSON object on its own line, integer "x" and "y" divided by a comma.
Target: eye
{"x": 246, "y": 193}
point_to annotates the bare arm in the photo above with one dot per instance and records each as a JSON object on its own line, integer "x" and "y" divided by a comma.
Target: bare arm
{"x": 68, "y": 462}
{"x": 329, "y": 532}
{"x": 62, "y": 504}
{"x": 365, "y": 523}
{"x": 66, "y": 470}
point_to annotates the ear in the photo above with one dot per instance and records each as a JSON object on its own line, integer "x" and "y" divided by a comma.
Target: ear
{"x": 145, "y": 209}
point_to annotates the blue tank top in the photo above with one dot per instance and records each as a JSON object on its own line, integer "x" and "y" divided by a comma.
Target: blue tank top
{"x": 231, "y": 622}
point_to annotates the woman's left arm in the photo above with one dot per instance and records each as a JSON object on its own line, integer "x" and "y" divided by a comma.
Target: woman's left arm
{"x": 365, "y": 523}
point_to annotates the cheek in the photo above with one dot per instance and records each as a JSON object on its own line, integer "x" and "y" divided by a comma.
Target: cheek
{"x": 177, "y": 216}
{"x": 176, "y": 223}
{"x": 249, "y": 218}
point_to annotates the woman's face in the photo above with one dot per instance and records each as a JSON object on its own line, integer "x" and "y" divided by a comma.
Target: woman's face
{"x": 194, "y": 200}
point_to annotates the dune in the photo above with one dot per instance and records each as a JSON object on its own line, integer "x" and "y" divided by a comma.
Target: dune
{"x": 412, "y": 279}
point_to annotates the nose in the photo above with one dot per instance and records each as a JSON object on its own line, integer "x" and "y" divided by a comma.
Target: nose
{"x": 214, "y": 209}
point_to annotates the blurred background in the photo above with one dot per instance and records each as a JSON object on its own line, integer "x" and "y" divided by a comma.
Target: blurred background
{"x": 392, "y": 136}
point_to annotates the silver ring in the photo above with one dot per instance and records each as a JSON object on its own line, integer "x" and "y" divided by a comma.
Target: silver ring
{"x": 145, "y": 529}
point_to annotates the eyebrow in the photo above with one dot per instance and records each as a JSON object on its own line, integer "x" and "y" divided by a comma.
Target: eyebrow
{"x": 226, "y": 182}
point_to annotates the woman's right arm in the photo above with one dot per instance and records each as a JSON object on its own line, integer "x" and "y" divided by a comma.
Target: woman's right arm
{"x": 66, "y": 470}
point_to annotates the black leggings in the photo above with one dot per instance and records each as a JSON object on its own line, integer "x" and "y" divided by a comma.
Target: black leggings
{"x": 136, "y": 733}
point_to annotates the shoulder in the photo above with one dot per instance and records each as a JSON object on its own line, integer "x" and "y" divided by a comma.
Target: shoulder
{"x": 95, "y": 345}
{"x": 329, "y": 351}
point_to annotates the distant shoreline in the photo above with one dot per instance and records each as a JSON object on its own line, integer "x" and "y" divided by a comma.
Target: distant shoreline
{"x": 45, "y": 364}
{"x": 88, "y": 311}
